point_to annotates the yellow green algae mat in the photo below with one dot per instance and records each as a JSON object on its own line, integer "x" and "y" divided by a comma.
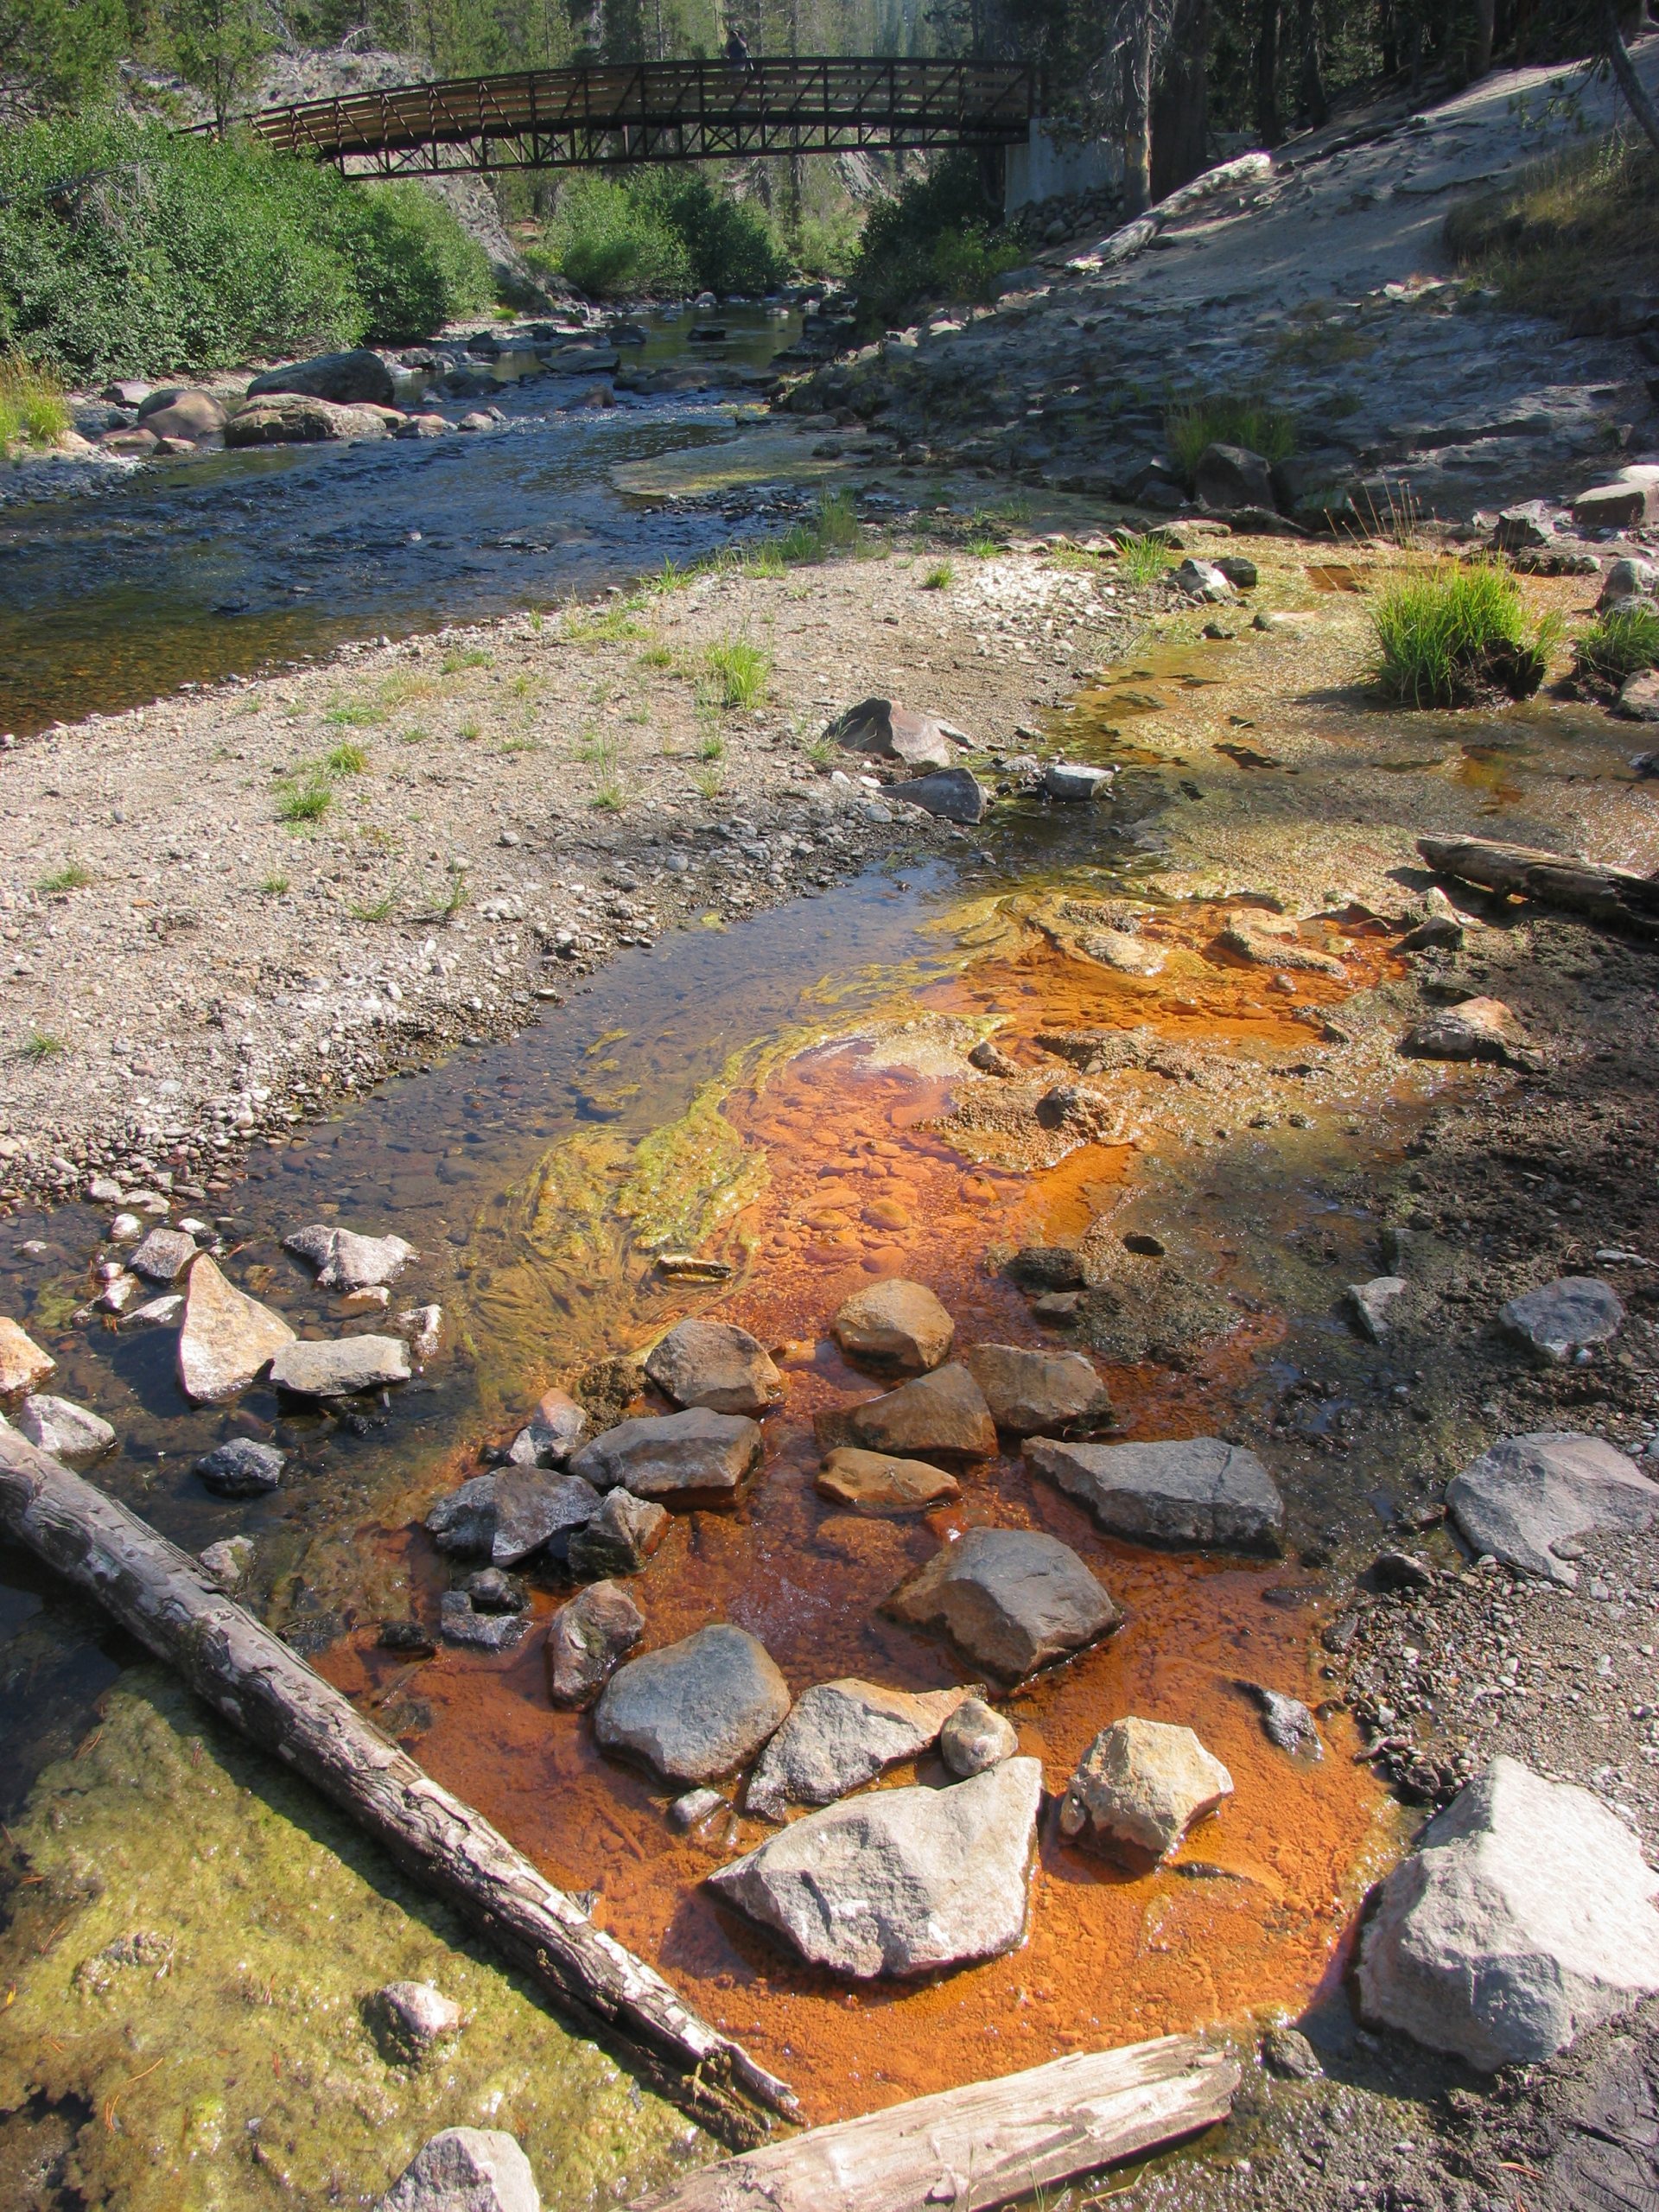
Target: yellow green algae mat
{"x": 196, "y": 1944}
{"x": 755, "y": 457}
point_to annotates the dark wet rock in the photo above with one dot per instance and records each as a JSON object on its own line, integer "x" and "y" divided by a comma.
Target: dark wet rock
{"x": 953, "y": 794}
{"x": 685, "y": 1457}
{"x": 551, "y": 1433}
{"x": 620, "y": 1537}
{"x": 1564, "y": 1317}
{"x": 1227, "y": 477}
{"x": 714, "y": 1364}
{"x": 1369, "y": 1304}
{"x": 1526, "y": 1496}
{"x": 588, "y": 1640}
{"x": 1287, "y": 2053}
{"x": 417, "y": 2014}
{"x": 1402, "y": 1571}
{"x": 1478, "y": 1029}
{"x": 1013, "y": 1599}
{"x": 65, "y": 1430}
{"x": 1053, "y": 1392}
{"x": 894, "y": 1324}
{"x": 1198, "y": 1489}
{"x": 1238, "y": 568}
{"x": 878, "y": 1484}
{"x": 227, "y": 1338}
{"x": 976, "y": 1736}
{"x": 840, "y": 1735}
{"x": 890, "y": 731}
{"x": 493, "y": 1592}
{"x": 340, "y": 1367}
{"x": 345, "y": 1261}
{"x": 697, "y": 1710}
{"x": 242, "y": 1468}
{"x": 989, "y": 1058}
{"x": 944, "y": 1412}
{"x": 410, "y": 1638}
{"x": 1202, "y": 581}
{"x": 461, "y": 1622}
{"x": 538, "y": 1510}
{"x": 347, "y": 378}
{"x": 1140, "y": 1787}
{"x": 464, "y": 1523}
{"x": 898, "y": 1882}
{"x": 1046, "y": 1267}
{"x": 1524, "y": 1918}
{"x": 163, "y": 1256}
{"x": 466, "y": 2169}
{"x": 1286, "y": 1721}
{"x": 1152, "y": 1311}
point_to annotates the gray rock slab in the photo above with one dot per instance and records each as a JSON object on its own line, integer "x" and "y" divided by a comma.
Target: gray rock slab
{"x": 63, "y": 1428}
{"x": 716, "y": 1364}
{"x": 944, "y": 1411}
{"x": 345, "y": 1261}
{"x": 1564, "y": 1317}
{"x": 1140, "y": 1785}
{"x": 620, "y": 1537}
{"x": 227, "y": 1338}
{"x": 466, "y": 2169}
{"x": 898, "y": 1882}
{"x": 1524, "y": 1917}
{"x": 1196, "y": 1490}
{"x": 1073, "y": 781}
{"x": 463, "y": 1523}
{"x": 878, "y": 1484}
{"x": 461, "y": 1622}
{"x": 891, "y": 732}
{"x": 1527, "y": 1494}
{"x": 588, "y": 1640}
{"x": 163, "y": 1256}
{"x": 243, "y": 1467}
{"x": 1013, "y": 1599}
{"x": 1369, "y": 1304}
{"x": 697, "y": 1709}
{"x": 538, "y": 1508}
{"x": 953, "y": 794}
{"x": 338, "y": 1367}
{"x": 840, "y": 1735}
{"x": 346, "y": 377}
{"x": 685, "y": 1457}
{"x": 1031, "y": 1392}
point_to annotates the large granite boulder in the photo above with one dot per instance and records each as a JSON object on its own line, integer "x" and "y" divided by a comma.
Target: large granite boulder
{"x": 588, "y": 1639}
{"x": 345, "y": 1261}
{"x": 1563, "y": 1317}
{"x": 716, "y": 1364}
{"x": 883, "y": 728}
{"x": 1524, "y": 1917}
{"x": 1139, "y": 1786}
{"x": 944, "y": 1412}
{"x": 537, "y": 1509}
{"x": 466, "y": 2169}
{"x": 295, "y": 420}
{"x": 1526, "y": 1494}
{"x": 688, "y": 1459}
{"x": 876, "y": 1482}
{"x": 227, "y": 1338}
{"x": 894, "y": 1324}
{"x": 1196, "y": 1491}
{"x": 1038, "y": 1392}
{"x": 898, "y": 1881}
{"x": 840, "y": 1735}
{"x": 347, "y": 378}
{"x": 340, "y": 1367}
{"x": 697, "y": 1709}
{"x": 1013, "y": 1599}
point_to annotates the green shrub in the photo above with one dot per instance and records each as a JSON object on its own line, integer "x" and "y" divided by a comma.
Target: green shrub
{"x": 1624, "y": 642}
{"x": 1250, "y": 422}
{"x": 413, "y": 266}
{"x": 1455, "y": 635}
{"x": 659, "y": 231}
{"x": 938, "y": 239}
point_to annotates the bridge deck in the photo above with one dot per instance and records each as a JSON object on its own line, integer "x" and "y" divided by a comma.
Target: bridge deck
{"x": 658, "y": 111}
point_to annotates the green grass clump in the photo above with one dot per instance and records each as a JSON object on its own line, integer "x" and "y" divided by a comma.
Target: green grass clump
{"x": 32, "y": 411}
{"x": 376, "y": 910}
{"x": 73, "y": 877}
{"x": 357, "y": 714}
{"x": 608, "y": 797}
{"x": 940, "y": 577}
{"x": 1573, "y": 233}
{"x": 709, "y": 781}
{"x": 1623, "y": 643}
{"x": 1454, "y": 635}
{"x": 468, "y": 657}
{"x": 740, "y": 671}
{"x": 1144, "y": 560}
{"x": 1197, "y": 424}
{"x": 307, "y": 802}
{"x": 347, "y": 759}
{"x": 273, "y": 887}
{"x": 40, "y": 1045}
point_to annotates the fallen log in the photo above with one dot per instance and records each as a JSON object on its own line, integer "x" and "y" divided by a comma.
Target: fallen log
{"x": 236, "y": 1665}
{"x": 1613, "y": 896}
{"x": 1122, "y": 245}
{"x": 972, "y": 2149}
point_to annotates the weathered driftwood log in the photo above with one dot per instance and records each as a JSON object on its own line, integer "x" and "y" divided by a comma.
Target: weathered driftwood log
{"x": 162, "y": 1596}
{"x": 1122, "y": 245}
{"x": 1605, "y": 895}
{"x": 982, "y": 2147}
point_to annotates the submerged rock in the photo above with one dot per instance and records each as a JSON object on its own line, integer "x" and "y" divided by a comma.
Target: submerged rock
{"x": 464, "y": 1523}
{"x": 1031, "y": 1391}
{"x": 1565, "y": 1316}
{"x": 461, "y": 1622}
{"x": 338, "y": 1367}
{"x": 620, "y": 1537}
{"x": 550, "y": 1434}
{"x": 345, "y": 1261}
{"x": 1524, "y": 1917}
{"x": 65, "y": 1430}
{"x": 418, "y": 2014}
{"x": 696, "y": 1710}
{"x": 538, "y": 1510}
{"x": 243, "y": 1467}
{"x": 1071, "y": 781}
{"x": 943, "y": 1412}
{"x": 1285, "y": 1722}
{"x": 1140, "y": 1785}
{"x": 1525, "y": 1495}
{"x": 898, "y": 1881}
{"x": 226, "y": 1562}
{"x": 894, "y": 1324}
{"x": 840, "y": 1735}
{"x": 714, "y": 1364}
{"x": 876, "y": 1482}
{"x": 227, "y": 1338}
{"x": 1013, "y": 1599}
{"x": 694, "y": 1455}
{"x": 22, "y": 1363}
{"x": 976, "y": 1736}
{"x": 1047, "y": 1267}
{"x": 1198, "y": 1489}
{"x": 466, "y": 2169}
{"x": 163, "y": 1256}
{"x": 588, "y": 1639}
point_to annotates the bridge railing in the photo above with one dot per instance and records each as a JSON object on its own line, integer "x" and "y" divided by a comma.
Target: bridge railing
{"x": 658, "y": 111}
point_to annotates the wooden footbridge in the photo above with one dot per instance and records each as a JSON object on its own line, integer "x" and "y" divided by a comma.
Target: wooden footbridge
{"x": 658, "y": 111}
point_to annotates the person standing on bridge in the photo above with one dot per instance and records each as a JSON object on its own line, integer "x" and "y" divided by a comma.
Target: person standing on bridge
{"x": 737, "y": 53}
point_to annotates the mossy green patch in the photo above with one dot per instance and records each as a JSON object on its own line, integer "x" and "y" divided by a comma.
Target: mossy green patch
{"x": 195, "y": 1944}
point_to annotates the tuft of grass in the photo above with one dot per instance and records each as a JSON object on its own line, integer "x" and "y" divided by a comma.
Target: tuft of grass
{"x": 376, "y": 910}
{"x": 1623, "y": 643}
{"x": 1453, "y": 635}
{"x": 608, "y": 797}
{"x": 940, "y": 577}
{"x": 273, "y": 887}
{"x": 820, "y": 751}
{"x": 73, "y": 877}
{"x": 347, "y": 759}
{"x": 655, "y": 656}
{"x": 1073, "y": 556}
{"x": 984, "y": 549}
{"x": 40, "y": 1045}
{"x": 456, "y": 893}
{"x": 33, "y": 410}
{"x": 613, "y": 627}
{"x": 767, "y": 559}
{"x": 352, "y": 713}
{"x": 470, "y": 731}
{"x": 470, "y": 657}
{"x": 740, "y": 671}
{"x": 709, "y": 781}
{"x": 1144, "y": 560}
{"x": 307, "y": 802}
{"x": 712, "y": 747}
{"x": 1189, "y": 428}
{"x": 415, "y": 735}
{"x": 1572, "y": 235}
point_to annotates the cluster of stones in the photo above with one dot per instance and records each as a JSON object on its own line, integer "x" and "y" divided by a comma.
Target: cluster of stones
{"x": 909, "y": 1879}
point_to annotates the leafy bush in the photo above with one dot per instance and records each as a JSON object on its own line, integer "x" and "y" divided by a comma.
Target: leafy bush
{"x": 659, "y": 231}
{"x": 1624, "y": 642}
{"x": 1455, "y": 636}
{"x": 937, "y": 239}
{"x": 123, "y": 247}
{"x": 1249, "y": 422}
{"x": 31, "y": 404}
